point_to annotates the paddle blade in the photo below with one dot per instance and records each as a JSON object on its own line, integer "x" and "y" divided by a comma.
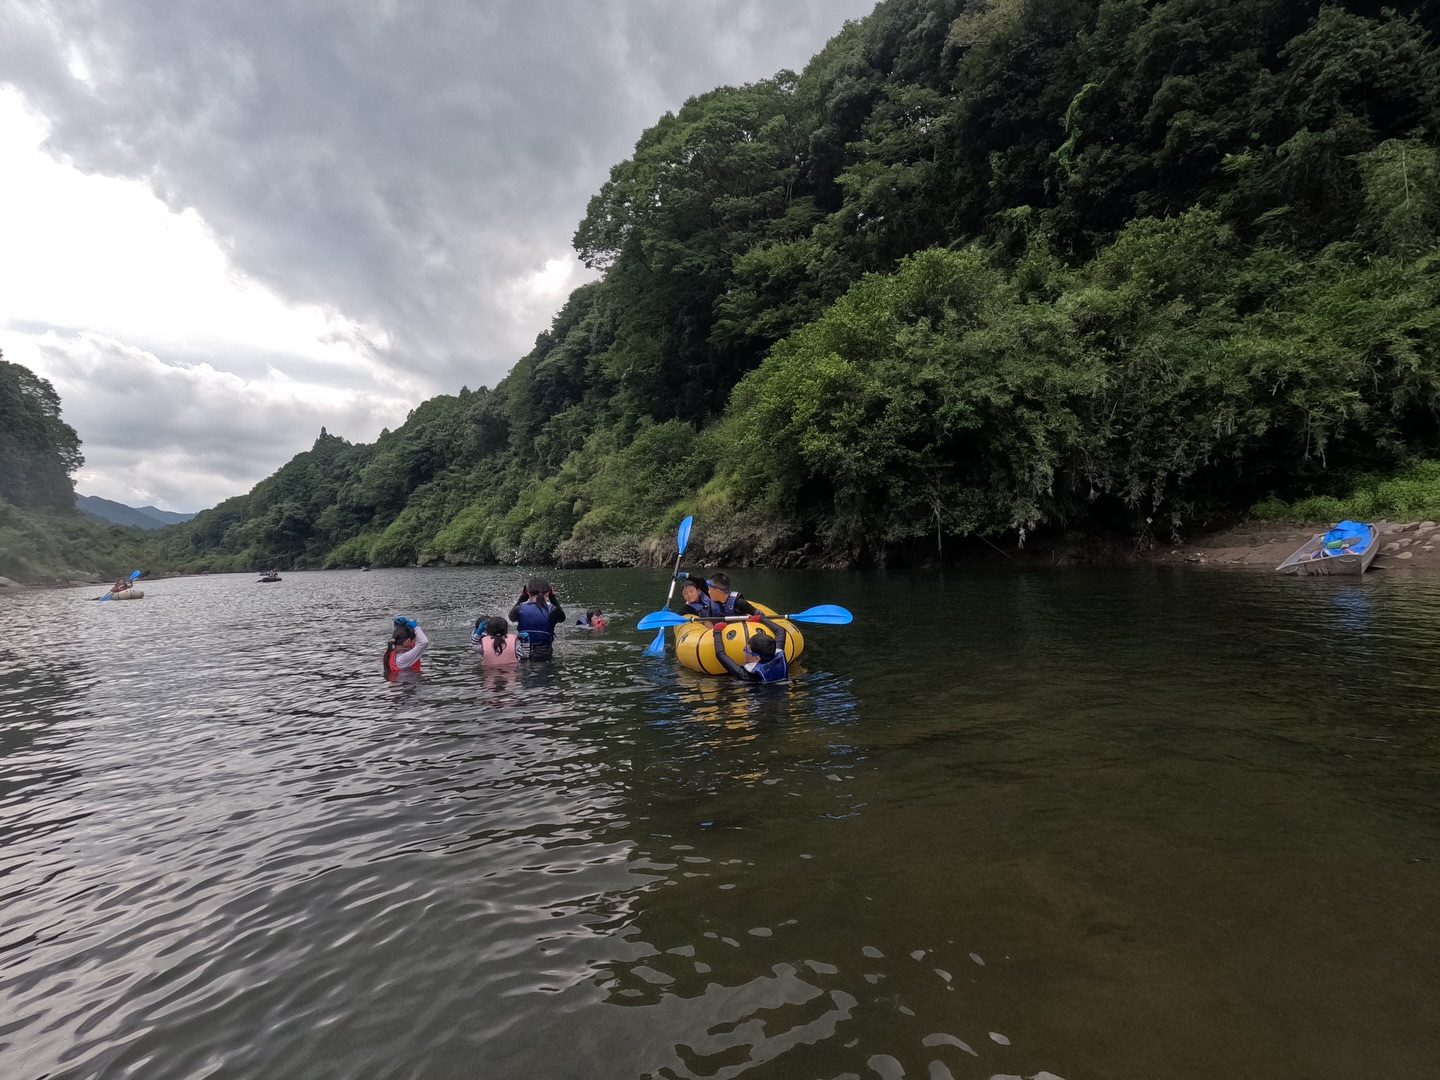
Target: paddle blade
{"x": 105, "y": 597}
{"x": 657, "y": 647}
{"x": 661, "y": 619}
{"x": 683, "y": 536}
{"x": 133, "y": 575}
{"x": 832, "y": 614}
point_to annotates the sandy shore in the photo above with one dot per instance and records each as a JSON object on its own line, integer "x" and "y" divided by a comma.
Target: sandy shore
{"x": 1405, "y": 546}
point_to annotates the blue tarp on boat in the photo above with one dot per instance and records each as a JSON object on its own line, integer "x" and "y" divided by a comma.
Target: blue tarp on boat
{"x": 1352, "y": 536}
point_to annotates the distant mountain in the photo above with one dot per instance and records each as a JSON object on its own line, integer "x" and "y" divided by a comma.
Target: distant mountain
{"x": 144, "y": 517}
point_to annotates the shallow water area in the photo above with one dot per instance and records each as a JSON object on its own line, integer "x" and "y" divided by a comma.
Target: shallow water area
{"x": 1084, "y": 823}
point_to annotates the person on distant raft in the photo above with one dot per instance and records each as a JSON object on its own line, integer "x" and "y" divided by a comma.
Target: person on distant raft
{"x": 764, "y": 654}
{"x": 594, "y": 618}
{"x": 494, "y": 643}
{"x": 407, "y": 645}
{"x": 715, "y": 601}
{"x": 535, "y": 615}
{"x": 121, "y": 584}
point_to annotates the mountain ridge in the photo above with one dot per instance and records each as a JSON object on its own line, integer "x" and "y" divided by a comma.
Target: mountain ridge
{"x": 143, "y": 517}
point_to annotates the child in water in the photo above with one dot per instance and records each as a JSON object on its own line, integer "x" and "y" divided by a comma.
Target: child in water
{"x": 407, "y": 645}
{"x": 764, "y": 655}
{"x": 535, "y": 615}
{"x": 593, "y": 618}
{"x": 494, "y": 642}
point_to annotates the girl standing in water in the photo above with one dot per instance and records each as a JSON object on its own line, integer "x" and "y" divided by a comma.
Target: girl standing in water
{"x": 407, "y": 645}
{"x": 494, "y": 643}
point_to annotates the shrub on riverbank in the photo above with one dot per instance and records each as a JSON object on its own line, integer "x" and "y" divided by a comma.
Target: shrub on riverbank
{"x": 1411, "y": 495}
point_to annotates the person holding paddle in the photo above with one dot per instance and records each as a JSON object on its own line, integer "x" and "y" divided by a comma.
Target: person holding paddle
{"x": 765, "y": 655}
{"x": 715, "y": 600}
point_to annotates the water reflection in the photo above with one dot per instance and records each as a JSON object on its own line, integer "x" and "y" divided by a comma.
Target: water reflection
{"x": 1103, "y": 823}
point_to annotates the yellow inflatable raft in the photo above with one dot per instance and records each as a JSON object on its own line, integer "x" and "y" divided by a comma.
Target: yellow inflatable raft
{"x": 695, "y": 643}
{"x": 128, "y": 594}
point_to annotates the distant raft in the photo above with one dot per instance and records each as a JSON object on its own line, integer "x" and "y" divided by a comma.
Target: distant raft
{"x": 695, "y": 642}
{"x": 128, "y": 594}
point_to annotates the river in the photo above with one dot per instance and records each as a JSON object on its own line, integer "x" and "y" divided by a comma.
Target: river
{"x": 1084, "y": 823}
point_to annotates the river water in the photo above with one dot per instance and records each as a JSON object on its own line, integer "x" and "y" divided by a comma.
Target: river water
{"x": 1082, "y": 824}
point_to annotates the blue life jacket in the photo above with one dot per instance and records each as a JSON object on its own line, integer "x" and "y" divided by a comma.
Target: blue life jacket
{"x": 776, "y": 669}
{"x": 533, "y": 626}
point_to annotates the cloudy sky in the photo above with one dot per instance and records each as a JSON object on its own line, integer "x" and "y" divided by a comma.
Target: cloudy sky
{"x": 224, "y": 226}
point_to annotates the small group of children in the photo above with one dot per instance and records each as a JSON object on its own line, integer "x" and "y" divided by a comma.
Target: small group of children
{"x": 537, "y": 612}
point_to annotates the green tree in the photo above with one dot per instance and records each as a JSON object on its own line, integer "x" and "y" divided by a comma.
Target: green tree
{"x": 39, "y": 452}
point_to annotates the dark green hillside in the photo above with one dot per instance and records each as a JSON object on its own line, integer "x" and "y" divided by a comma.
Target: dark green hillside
{"x": 981, "y": 269}
{"x": 38, "y": 450}
{"x": 42, "y": 536}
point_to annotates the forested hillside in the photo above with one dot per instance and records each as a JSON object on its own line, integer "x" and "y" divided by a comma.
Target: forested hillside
{"x": 42, "y": 535}
{"x": 38, "y": 450}
{"x": 983, "y": 268}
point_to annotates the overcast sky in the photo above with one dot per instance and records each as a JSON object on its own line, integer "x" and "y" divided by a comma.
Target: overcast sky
{"x": 224, "y": 226}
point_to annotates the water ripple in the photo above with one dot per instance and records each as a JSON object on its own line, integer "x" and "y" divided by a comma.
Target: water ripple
{"x": 1042, "y": 833}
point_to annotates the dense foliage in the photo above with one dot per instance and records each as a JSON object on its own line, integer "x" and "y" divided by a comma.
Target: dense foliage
{"x": 39, "y": 546}
{"x": 985, "y": 267}
{"x": 42, "y": 536}
{"x": 38, "y": 451}
{"x": 1411, "y": 495}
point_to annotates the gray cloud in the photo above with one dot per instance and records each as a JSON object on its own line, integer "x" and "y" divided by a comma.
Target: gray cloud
{"x": 401, "y": 162}
{"x": 404, "y": 164}
{"x": 182, "y": 434}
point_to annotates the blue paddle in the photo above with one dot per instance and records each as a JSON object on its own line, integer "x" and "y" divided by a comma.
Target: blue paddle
{"x": 133, "y": 575}
{"x": 657, "y": 647}
{"x": 831, "y": 614}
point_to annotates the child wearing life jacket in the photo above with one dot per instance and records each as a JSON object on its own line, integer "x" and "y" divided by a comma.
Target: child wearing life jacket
{"x": 494, "y": 643}
{"x": 594, "y": 618}
{"x": 764, "y": 655}
{"x": 407, "y": 644}
{"x": 535, "y": 615}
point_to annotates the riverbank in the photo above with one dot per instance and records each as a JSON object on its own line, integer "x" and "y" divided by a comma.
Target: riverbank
{"x": 1407, "y": 546}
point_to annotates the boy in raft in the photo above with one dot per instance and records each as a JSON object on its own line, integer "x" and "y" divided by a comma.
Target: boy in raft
{"x": 692, "y": 595}
{"x": 535, "y": 615}
{"x": 407, "y": 645}
{"x": 715, "y": 600}
{"x": 765, "y": 655}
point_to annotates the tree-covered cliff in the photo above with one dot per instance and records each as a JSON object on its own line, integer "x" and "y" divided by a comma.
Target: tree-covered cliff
{"x": 982, "y": 268}
{"x": 42, "y": 536}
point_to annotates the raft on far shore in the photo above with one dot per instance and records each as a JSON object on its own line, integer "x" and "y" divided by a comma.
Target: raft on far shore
{"x": 695, "y": 642}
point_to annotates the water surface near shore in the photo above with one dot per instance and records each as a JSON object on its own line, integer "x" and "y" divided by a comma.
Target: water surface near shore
{"x": 1120, "y": 823}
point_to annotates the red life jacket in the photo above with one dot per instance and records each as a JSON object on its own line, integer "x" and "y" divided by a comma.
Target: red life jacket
{"x": 392, "y": 669}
